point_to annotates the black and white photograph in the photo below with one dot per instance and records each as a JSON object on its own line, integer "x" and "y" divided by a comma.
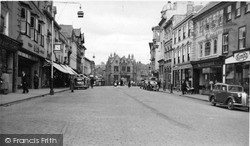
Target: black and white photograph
{"x": 124, "y": 73}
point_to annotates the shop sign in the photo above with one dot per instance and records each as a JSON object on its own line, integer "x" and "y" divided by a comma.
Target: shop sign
{"x": 208, "y": 64}
{"x": 238, "y": 57}
{"x": 242, "y": 56}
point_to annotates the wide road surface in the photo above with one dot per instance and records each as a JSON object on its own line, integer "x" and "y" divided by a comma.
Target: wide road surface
{"x": 127, "y": 116}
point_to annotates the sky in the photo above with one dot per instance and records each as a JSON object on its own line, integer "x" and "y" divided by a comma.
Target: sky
{"x": 123, "y": 27}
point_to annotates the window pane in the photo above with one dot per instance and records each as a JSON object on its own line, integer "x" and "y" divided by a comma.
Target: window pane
{"x": 207, "y": 48}
{"x": 201, "y": 50}
{"x": 215, "y": 46}
{"x": 23, "y": 13}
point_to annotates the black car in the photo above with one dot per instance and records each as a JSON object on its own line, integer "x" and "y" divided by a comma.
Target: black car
{"x": 230, "y": 95}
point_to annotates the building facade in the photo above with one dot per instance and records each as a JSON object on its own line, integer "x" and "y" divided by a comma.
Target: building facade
{"x": 182, "y": 51}
{"x": 236, "y": 69}
{"x": 118, "y": 69}
{"x": 27, "y": 33}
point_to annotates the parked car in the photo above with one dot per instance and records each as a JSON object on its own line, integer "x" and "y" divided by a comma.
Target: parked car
{"x": 79, "y": 82}
{"x": 85, "y": 79}
{"x": 230, "y": 95}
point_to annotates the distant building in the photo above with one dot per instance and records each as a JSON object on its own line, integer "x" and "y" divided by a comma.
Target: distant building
{"x": 125, "y": 69}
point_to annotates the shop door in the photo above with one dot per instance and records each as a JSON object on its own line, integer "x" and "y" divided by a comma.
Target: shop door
{"x": 196, "y": 82}
{"x": 26, "y": 66}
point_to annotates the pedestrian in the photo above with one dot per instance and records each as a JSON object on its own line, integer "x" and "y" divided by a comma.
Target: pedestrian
{"x": 72, "y": 83}
{"x": 164, "y": 85}
{"x": 92, "y": 80}
{"x": 36, "y": 80}
{"x": 129, "y": 84}
{"x": 159, "y": 84}
{"x": 184, "y": 87}
{"x": 24, "y": 83}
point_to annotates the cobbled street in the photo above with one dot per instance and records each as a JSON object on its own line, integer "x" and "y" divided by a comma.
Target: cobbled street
{"x": 127, "y": 116}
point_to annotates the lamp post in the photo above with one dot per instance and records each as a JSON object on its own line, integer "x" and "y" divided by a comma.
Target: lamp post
{"x": 52, "y": 50}
{"x": 80, "y": 15}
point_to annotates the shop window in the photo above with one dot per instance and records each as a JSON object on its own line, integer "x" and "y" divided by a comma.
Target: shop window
{"x": 230, "y": 73}
{"x": 225, "y": 43}
{"x": 229, "y": 13}
{"x": 237, "y": 11}
{"x": 247, "y": 7}
{"x": 242, "y": 37}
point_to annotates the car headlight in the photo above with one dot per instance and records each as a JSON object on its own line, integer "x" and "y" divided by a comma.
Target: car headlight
{"x": 239, "y": 95}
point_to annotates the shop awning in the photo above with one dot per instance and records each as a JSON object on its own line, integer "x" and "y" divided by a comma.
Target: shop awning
{"x": 68, "y": 69}
{"x": 58, "y": 67}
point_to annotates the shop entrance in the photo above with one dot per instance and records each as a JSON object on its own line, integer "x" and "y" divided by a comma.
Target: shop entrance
{"x": 26, "y": 66}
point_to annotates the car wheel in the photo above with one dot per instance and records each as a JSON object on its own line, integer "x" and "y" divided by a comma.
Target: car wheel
{"x": 213, "y": 101}
{"x": 230, "y": 104}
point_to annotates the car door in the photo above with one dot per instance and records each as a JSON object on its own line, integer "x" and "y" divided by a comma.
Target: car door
{"x": 223, "y": 94}
{"x": 216, "y": 92}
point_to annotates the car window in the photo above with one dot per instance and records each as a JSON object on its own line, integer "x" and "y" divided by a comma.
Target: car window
{"x": 224, "y": 88}
{"x": 235, "y": 88}
{"x": 217, "y": 87}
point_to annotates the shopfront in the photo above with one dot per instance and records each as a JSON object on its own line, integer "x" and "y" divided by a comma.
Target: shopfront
{"x": 206, "y": 73}
{"x": 181, "y": 73}
{"x": 237, "y": 69}
{"x": 8, "y": 62}
{"x": 167, "y": 75}
{"x": 29, "y": 64}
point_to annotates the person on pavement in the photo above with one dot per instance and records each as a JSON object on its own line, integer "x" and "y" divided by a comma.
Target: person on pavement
{"x": 72, "y": 83}
{"x": 24, "y": 83}
{"x": 129, "y": 84}
{"x": 36, "y": 80}
{"x": 92, "y": 80}
{"x": 184, "y": 87}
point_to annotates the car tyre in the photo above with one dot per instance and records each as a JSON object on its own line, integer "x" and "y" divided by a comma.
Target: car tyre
{"x": 230, "y": 104}
{"x": 213, "y": 101}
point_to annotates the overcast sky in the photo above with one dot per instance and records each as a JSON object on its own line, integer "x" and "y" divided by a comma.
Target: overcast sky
{"x": 124, "y": 27}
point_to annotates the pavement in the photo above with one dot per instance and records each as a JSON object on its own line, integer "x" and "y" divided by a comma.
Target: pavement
{"x": 194, "y": 96}
{"x": 19, "y": 96}
{"x": 13, "y": 98}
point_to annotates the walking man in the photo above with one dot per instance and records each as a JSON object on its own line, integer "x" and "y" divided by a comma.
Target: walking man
{"x": 72, "y": 84}
{"x": 36, "y": 80}
{"x": 24, "y": 82}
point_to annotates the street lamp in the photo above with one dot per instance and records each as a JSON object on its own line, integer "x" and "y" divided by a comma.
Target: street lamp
{"x": 80, "y": 15}
{"x": 52, "y": 50}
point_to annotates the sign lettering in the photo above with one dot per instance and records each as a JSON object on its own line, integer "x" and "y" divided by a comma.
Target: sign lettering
{"x": 241, "y": 56}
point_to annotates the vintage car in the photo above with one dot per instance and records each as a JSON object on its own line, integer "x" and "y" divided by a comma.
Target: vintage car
{"x": 231, "y": 95}
{"x": 81, "y": 81}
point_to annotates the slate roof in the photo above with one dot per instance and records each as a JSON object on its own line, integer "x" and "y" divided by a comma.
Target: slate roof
{"x": 67, "y": 30}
